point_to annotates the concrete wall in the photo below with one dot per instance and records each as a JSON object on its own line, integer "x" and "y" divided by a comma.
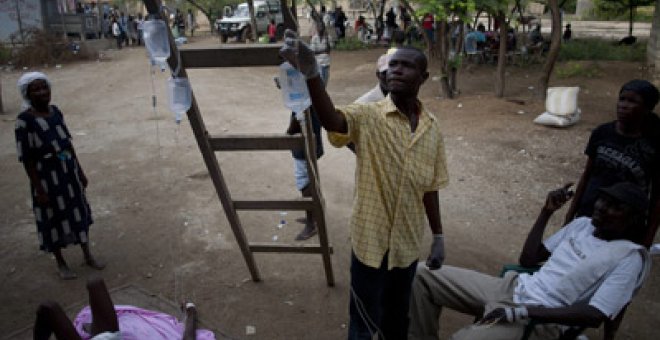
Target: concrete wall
{"x": 29, "y": 12}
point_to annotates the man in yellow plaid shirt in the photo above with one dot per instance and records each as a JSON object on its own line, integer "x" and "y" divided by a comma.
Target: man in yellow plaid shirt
{"x": 400, "y": 168}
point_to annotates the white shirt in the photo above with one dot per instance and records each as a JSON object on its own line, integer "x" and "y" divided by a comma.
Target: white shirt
{"x": 318, "y": 44}
{"x": 115, "y": 29}
{"x": 374, "y": 95}
{"x": 581, "y": 269}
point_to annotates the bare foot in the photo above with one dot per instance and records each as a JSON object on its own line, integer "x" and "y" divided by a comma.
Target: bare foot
{"x": 92, "y": 262}
{"x": 307, "y": 232}
{"x": 66, "y": 273}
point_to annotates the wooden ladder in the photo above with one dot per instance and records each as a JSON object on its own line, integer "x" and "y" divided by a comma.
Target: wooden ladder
{"x": 245, "y": 56}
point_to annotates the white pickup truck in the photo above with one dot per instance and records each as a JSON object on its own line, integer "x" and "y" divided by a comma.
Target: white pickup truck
{"x": 238, "y": 24}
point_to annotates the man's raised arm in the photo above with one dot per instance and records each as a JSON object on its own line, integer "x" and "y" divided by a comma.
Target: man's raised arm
{"x": 298, "y": 54}
{"x": 534, "y": 252}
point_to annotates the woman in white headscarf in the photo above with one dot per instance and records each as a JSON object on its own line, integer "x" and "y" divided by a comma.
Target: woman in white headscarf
{"x": 57, "y": 181}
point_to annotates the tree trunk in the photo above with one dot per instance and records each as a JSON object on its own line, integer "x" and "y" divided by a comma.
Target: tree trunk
{"x": 476, "y": 19}
{"x": 501, "y": 56}
{"x": 458, "y": 48}
{"x": 443, "y": 45}
{"x": 380, "y": 28}
{"x": 289, "y": 21}
{"x": 253, "y": 21}
{"x": 555, "y": 44}
{"x": 630, "y": 22}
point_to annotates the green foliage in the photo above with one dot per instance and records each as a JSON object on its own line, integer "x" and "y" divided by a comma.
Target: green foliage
{"x": 569, "y": 6}
{"x": 445, "y": 8}
{"x": 598, "y": 49}
{"x": 350, "y": 44}
{"x": 579, "y": 69}
{"x": 494, "y": 6}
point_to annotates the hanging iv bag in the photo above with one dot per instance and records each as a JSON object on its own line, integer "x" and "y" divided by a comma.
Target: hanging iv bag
{"x": 294, "y": 89}
{"x": 156, "y": 40}
{"x": 180, "y": 95}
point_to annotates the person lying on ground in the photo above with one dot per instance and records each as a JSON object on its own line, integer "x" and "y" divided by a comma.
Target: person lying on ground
{"x": 400, "y": 168}
{"x": 593, "y": 266}
{"x": 101, "y": 320}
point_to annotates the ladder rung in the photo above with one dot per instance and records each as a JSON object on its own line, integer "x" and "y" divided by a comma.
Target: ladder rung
{"x": 232, "y": 56}
{"x": 267, "y": 247}
{"x": 256, "y": 142}
{"x": 303, "y": 203}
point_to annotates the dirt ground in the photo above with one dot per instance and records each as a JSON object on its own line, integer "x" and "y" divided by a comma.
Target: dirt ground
{"x": 159, "y": 224}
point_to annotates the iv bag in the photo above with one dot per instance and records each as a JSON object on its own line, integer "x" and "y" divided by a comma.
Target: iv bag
{"x": 294, "y": 89}
{"x": 156, "y": 40}
{"x": 180, "y": 96}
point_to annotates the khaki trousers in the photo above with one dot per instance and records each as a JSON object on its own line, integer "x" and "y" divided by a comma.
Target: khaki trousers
{"x": 468, "y": 292}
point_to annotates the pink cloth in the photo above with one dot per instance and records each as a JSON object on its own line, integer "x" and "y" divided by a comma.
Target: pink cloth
{"x": 139, "y": 324}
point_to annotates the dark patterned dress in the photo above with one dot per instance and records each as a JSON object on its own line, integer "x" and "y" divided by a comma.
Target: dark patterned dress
{"x": 46, "y": 141}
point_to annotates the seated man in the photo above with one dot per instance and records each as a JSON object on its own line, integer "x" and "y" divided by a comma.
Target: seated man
{"x": 593, "y": 267}
{"x": 109, "y": 322}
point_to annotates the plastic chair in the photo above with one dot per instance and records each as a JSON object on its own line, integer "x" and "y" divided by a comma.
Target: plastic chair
{"x": 610, "y": 326}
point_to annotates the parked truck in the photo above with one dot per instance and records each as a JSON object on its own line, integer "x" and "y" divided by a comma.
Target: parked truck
{"x": 238, "y": 24}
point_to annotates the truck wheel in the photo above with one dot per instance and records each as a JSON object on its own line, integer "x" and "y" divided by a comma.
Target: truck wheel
{"x": 246, "y": 34}
{"x": 279, "y": 32}
{"x": 223, "y": 38}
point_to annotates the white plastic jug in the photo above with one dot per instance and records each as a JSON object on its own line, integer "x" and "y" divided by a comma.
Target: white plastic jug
{"x": 180, "y": 97}
{"x": 294, "y": 89}
{"x": 156, "y": 40}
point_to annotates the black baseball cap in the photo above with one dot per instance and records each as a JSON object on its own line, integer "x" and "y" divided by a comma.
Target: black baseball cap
{"x": 629, "y": 194}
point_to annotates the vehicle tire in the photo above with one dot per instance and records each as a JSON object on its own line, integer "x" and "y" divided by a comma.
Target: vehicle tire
{"x": 246, "y": 34}
{"x": 279, "y": 32}
{"x": 223, "y": 38}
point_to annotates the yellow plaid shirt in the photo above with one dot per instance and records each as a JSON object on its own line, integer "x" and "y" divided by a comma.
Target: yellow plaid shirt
{"x": 395, "y": 167}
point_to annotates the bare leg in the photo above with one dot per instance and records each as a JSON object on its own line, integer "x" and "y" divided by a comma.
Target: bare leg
{"x": 52, "y": 319}
{"x": 65, "y": 272}
{"x": 190, "y": 333}
{"x": 89, "y": 259}
{"x": 104, "y": 318}
{"x": 310, "y": 226}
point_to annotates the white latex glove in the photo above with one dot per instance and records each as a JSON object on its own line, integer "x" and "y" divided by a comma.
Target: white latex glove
{"x": 506, "y": 315}
{"x": 437, "y": 256}
{"x": 298, "y": 54}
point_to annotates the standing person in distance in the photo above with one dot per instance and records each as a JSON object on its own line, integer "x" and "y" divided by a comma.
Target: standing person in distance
{"x": 57, "y": 182}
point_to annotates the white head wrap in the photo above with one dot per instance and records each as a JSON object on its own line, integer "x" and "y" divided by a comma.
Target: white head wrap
{"x": 23, "y": 83}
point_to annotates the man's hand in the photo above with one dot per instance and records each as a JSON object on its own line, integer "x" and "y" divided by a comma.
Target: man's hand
{"x": 437, "y": 256}
{"x": 505, "y": 315}
{"x": 298, "y": 54}
{"x": 557, "y": 198}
